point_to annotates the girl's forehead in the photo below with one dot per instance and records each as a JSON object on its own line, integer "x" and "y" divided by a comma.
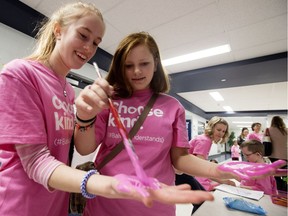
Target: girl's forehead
{"x": 221, "y": 126}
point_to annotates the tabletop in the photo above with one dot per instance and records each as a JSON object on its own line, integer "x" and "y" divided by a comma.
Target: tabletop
{"x": 218, "y": 207}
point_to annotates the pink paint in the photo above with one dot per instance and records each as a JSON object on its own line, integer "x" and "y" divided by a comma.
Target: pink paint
{"x": 246, "y": 170}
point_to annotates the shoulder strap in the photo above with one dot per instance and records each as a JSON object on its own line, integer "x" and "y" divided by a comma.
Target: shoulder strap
{"x": 120, "y": 146}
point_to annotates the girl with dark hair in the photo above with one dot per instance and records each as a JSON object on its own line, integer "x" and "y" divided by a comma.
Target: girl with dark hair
{"x": 278, "y": 136}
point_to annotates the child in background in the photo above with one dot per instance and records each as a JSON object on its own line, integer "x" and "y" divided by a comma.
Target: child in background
{"x": 253, "y": 151}
{"x": 235, "y": 150}
{"x": 256, "y": 132}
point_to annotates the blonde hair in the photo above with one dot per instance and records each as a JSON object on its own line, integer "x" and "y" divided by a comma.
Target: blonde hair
{"x": 116, "y": 76}
{"x": 209, "y": 128}
{"x": 66, "y": 15}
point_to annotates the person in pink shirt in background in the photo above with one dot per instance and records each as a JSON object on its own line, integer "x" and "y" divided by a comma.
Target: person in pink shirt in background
{"x": 216, "y": 130}
{"x": 256, "y": 132}
{"x": 253, "y": 151}
{"x": 235, "y": 150}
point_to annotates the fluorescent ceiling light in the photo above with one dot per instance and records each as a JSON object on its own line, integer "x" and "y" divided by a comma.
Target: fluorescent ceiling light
{"x": 197, "y": 55}
{"x": 216, "y": 96}
{"x": 242, "y": 122}
{"x": 228, "y": 109}
{"x": 242, "y": 126}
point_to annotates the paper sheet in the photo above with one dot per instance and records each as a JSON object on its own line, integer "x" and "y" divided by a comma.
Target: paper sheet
{"x": 251, "y": 194}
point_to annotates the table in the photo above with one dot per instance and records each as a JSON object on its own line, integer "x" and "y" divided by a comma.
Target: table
{"x": 218, "y": 207}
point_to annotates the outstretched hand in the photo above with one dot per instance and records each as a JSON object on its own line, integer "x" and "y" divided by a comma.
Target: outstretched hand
{"x": 131, "y": 188}
{"x": 248, "y": 170}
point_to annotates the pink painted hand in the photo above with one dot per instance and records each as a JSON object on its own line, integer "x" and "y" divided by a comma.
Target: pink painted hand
{"x": 248, "y": 170}
{"x": 128, "y": 183}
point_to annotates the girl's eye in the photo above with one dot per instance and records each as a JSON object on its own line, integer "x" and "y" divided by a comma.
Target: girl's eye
{"x": 128, "y": 66}
{"x": 144, "y": 63}
{"x": 83, "y": 36}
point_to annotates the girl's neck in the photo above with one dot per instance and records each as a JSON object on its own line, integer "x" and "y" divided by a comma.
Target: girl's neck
{"x": 57, "y": 66}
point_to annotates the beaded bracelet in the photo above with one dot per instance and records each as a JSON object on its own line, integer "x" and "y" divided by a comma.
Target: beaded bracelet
{"x": 84, "y": 121}
{"x": 84, "y": 183}
{"x": 84, "y": 128}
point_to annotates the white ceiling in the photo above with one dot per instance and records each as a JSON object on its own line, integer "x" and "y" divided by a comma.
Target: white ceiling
{"x": 253, "y": 28}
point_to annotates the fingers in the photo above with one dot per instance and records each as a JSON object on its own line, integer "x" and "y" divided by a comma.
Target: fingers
{"x": 179, "y": 195}
{"x": 93, "y": 99}
{"x": 281, "y": 172}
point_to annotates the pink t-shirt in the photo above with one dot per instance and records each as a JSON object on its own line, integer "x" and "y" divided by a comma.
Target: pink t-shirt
{"x": 201, "y": 145}
{"x": 163, "y": 129}
{"x": 267, "y": 184}
{"x": 33, "y": 111}
{"x": 254, "y": 136}
{"x": 235, "y": 149}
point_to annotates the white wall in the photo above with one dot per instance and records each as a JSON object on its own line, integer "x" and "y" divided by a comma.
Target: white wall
{"x": 15, "y": 44}
{"x": 194, "y": 119}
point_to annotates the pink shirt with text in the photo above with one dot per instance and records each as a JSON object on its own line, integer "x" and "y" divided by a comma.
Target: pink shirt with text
{"x": 33, "y": 111}
{"x": 164, "y": 128}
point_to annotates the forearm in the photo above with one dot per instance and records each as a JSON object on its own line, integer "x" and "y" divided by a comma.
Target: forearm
{"x": 85, "y": 141}
{"x": 200, "y": 167}
{"x": 193, "y": 165}
{"x": 68, "y": 179}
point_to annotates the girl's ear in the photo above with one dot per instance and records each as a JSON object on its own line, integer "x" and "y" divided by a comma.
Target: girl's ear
{"x": 57, "y": 31}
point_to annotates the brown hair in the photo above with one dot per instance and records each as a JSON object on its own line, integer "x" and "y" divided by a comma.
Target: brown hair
{"x": 116, "y": 75}
{"x": 278, "y": 122}
{"x": 253, "y": 146}
{"x": 254, "y": 124}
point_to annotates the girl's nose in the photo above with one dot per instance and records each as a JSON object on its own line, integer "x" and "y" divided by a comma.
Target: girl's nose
{"x": 88, "y": 48}
{"x": 137, "y": 70}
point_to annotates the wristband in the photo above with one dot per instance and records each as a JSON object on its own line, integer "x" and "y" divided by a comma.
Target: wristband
{"x": 84, "y": 184}
{"x": 84, "y": 121}
{"x": 84, "y": 128}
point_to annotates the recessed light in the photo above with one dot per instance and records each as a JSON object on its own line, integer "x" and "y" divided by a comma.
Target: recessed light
{"x": 216, "y": 96}
{"x": 197, "y": 55}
